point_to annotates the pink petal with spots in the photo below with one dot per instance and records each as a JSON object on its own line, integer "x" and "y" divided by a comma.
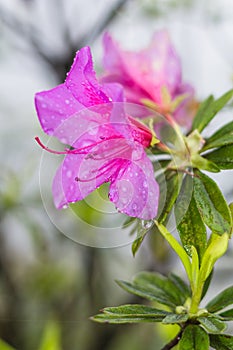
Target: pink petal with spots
{"x": 81, "y": 80}
{"x": 135, "y": 192}
{"x": 54, "y": 106}
{"x": 99, "y": 165}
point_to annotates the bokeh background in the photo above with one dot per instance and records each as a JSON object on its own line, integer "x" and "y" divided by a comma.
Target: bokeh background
{"x": 54, "y": 275}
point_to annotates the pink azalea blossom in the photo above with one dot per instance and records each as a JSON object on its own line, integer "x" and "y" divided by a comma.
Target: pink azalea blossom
{"x": 152, "y": 74}
{"x": 106, "y": 144}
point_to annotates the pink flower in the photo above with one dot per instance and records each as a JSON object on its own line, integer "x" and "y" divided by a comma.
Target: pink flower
{"x": 106, "y": 144}
{"x": 152, "y": 74}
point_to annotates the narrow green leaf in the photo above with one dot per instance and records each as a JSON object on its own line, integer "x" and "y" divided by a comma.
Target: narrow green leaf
{"x": 221, "y": 301}
{"x": 170, "y": 186}
{"x": 175, "y": 318}
{"x": 141, "y": 234}
{"x": 135, "y": 310}
{"x": 5, "y": 346}
{"x": 155, "y": 281}
{"x": 123, "y": 319}
{"x": 207, "y": 284}
{"x": 181, "y": 286}
{"x": 212, "y": 324}
{"x": 208, "y": 109}
{"x": 211, "y": 204}
{"x": 221, "y": 342}
{"x": 151, "y": 294}
{"x": 51, "y": 339}
{"x": 194, "y": 338}
{"x": 217, "y": 246}
{"x": 204, "y": 164}
{"x": 195, "y": 266}
{"x": 202, "y": 113}
{"x": 222, "y": 137}
{"x": 177, "y": 248}
{"x": 223, "y": 157}
{"x": 227, "y": 315}
{"x": 190, "y": 226}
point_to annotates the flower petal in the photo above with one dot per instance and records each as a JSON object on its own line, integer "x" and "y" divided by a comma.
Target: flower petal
{"x": 144, "y": 72}
{"x": 54, "y": 106}
{"x": 81, "y": 80}
{"x": 80, "y": 174}
{"x": 135, "y": 191}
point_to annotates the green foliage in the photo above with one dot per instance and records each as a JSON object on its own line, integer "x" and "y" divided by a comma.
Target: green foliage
{"x": 194, "y": 338}
{"x": 212, "y": 324}
{"x": 222, "y": 137}
{"x": 211, "y": 204}
{"x": 176, "y": 318}
{"x": 222, "y": 156}
{"x": 208, "y": 109}
{"x": 222, "y": 300}
{"x": 221, "y": 342}
{"x": 51, "y": 339}
{"x": 169, "y": 184}
{"x": 5, "y": 346}
{"x": 130, "y": 314}
{"x": 191, "y": 227}
{"x": 217, "y": 246}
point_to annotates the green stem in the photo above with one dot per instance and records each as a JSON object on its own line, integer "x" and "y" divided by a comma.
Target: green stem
{"x": 174, "y": 341}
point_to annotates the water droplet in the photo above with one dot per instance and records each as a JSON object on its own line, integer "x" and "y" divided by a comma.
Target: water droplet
{"x": 69, "y": 174}
{"x": 65, "y": 206}
{"x": 147, "y": 224}
{"x": 145, "y": 185}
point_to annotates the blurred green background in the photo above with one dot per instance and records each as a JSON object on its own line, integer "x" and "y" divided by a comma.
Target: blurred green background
{"x": 51, "y": 282}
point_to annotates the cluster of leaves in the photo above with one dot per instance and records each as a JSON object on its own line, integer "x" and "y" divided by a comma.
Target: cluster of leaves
{"x": 171, "y": 296}
{"x": 198, "y": 205}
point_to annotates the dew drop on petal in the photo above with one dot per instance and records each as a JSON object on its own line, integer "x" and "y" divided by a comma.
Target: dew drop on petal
{"x": 69, "y": 174}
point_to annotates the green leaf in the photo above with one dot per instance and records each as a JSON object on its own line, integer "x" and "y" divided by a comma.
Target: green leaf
{"x": 130, "y": 314}
{"x": 122, "y": 319}
{"x": 222, "y": 137}
{"x": 141, "y": 234}
{"x": 191, "y": 228}
{"x": 181, "y": 286}
{"x": 208, "y": 109}
{"x": 204, "y": 164}
{"x": 177, "y": 248}
{"x": 5, "y": 346}
{"x": 212, "y": 324}
{"x": 152, "y": 294}
{"x": 135, "y": 310}
{"x": 223, "y": 157}
{"x": 194, "y": 338}
{"x": 207, "y": 284}
{"x": 170, "y": 185}
{"x": 221, "y": 342}
{"x": 202, "y": 114}
{"x": 211, "y": 204}
{"x": 175, "y": 318}
{"x": 217, "y": 246}
{"x": 51, "y": 339}
{"x": 227, "y": 315}
{"x": 155, "y": 281}
{"x": 221, "y": 301}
